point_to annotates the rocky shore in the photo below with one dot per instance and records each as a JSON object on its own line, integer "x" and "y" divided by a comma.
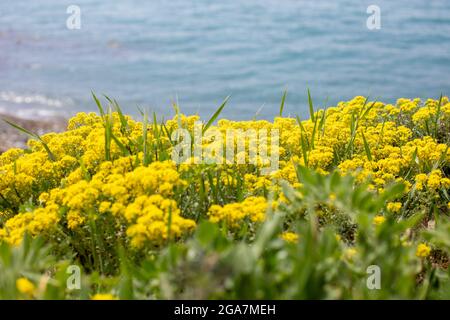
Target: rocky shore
{"x": 13, "y": 138}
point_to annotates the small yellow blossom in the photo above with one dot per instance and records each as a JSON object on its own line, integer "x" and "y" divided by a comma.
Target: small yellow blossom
{"x": 290, "y": 237}
{"x": 423, "y": 250}
{"x": 350, "y": 253}
{"x": 103, "y": 296}
{"x": 332, "y": 197}
{"x": 233, "y": 214}
{"x": 104, "y": 206}
{"x": 394, "y": 206}
{"x": 378, "y": 220}
{"x": 25, "y": 286}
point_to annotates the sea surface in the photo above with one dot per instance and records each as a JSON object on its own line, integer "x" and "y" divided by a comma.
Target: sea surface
{"x": 154, "y": 53}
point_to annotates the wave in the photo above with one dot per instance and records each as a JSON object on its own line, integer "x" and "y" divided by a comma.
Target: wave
{"x": 33, "y": 99}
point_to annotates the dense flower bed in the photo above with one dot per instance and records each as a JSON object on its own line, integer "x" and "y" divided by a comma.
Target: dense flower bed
{"x": 373, "y": 175}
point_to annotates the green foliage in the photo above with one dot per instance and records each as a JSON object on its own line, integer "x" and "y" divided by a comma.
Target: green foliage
{"x": 321, "y": 265}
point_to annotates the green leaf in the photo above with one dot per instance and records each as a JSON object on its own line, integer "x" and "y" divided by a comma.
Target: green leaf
{"x": 366, "y": 147}
{"x": 144, "y": 137}
{"x": 34, "y": 136}
{"x": 121, "y": 146}
{"x": 99, "y": 105}
{"x": 122, "y": 118}
{"x": 311, "y": 106}
{"x": 283, "y": 100}
{"x": 215, "y": 115}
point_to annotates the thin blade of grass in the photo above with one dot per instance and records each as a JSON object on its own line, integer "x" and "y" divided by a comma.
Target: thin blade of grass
{"x": 99, "y": 104}
{"x": 311, "y": 106}
{"x": 34, "y": 136}
{"x": 366, "y": 147}
{"x": 144, "y": 137}
{"x": 283, "y": 100}
{"x": 215, "y": 115}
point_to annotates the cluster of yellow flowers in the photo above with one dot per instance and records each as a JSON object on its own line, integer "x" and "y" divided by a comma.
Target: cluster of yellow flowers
{"x": 139, "y": 199}
{"x": 378, "y": 220}
{"x": 25, "y": 287}
{"x": 150, "y": 217}
{"x": 89, "y": 178}
{"x": 290, "y": 237}
{"x": 423, "y": 250}
{"x": 394, "y": 206}
{"x": 433, "y": 181}
{"x": 35, "y": 223}
{"x": 253, "y": 208}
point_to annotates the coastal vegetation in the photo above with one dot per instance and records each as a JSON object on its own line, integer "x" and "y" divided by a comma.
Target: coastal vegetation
{"x": 357, "y": 209}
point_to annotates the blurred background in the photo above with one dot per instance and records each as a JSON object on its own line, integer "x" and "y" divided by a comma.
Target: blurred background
{"x": 151, "y": 53}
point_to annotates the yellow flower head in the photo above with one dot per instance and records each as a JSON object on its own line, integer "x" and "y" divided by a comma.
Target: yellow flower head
{"x": 25, "y": 286}
{"x": 289, "y": 237}
{"x": 423, "y": 250}
{"x": 103, "y": 296}
{"x": 350, "y": 253}
{"x": 394, "y": 206}
{"x": 234, "y": 214}
{"x": 378, "y": 220}
{"x": 332, "y": 196}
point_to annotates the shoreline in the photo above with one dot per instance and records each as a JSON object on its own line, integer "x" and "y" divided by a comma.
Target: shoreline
{"x": 12, "y": 138}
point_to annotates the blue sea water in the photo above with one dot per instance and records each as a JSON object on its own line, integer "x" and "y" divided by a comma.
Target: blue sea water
{"x": 151, "y": 53}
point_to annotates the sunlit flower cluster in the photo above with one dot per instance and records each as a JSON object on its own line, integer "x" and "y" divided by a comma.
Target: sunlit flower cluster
{"x": 253, "y": 208}
{"x": 116, "y": 172}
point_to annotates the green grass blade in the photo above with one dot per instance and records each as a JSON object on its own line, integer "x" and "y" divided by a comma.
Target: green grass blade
{"x": 436, "y": 120}
{"x": 311, "y": 106}
{"x": 34, "y": 136}
{"x": 118, "y": 109}
{"x": 99, "y": 104}
{"x": 366, "y": 147}
{"x": 144, "y": 137}
{"x": 141, "y": 112}
{"x": 299, "y": 121}
{"x": 305, "y": 149}
{"x": 23, "y": 130}
{"x": 121, "y": 146}
{"x": 283, "y": 100}
{"x": 108, "y": 136}
{"x": 166, "y": 131}
{"x": 215, "y": 115}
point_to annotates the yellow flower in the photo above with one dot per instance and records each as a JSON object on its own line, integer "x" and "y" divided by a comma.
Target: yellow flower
{"x": 423, "y": 250}
{"x": 103, "y": 296}
{"x": 148, "y": 218}
{"x": 445, "y": 183}
{"x": 394, "y": 206}
{"x": 104, "y": 206}
{"x": 421, "y": 179}
{"x": 137, "y": 201}
{"x": 25, "y": 286}
{"x": 332, "y": 196}
{"x": 350, "y": 253}
{"x": 378, "y": 220}
{"x": 74, "y": 220}
{"x": 290, "y": 237}
{"x": 233, "y": 214}
{"x": 434, "y": 180}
